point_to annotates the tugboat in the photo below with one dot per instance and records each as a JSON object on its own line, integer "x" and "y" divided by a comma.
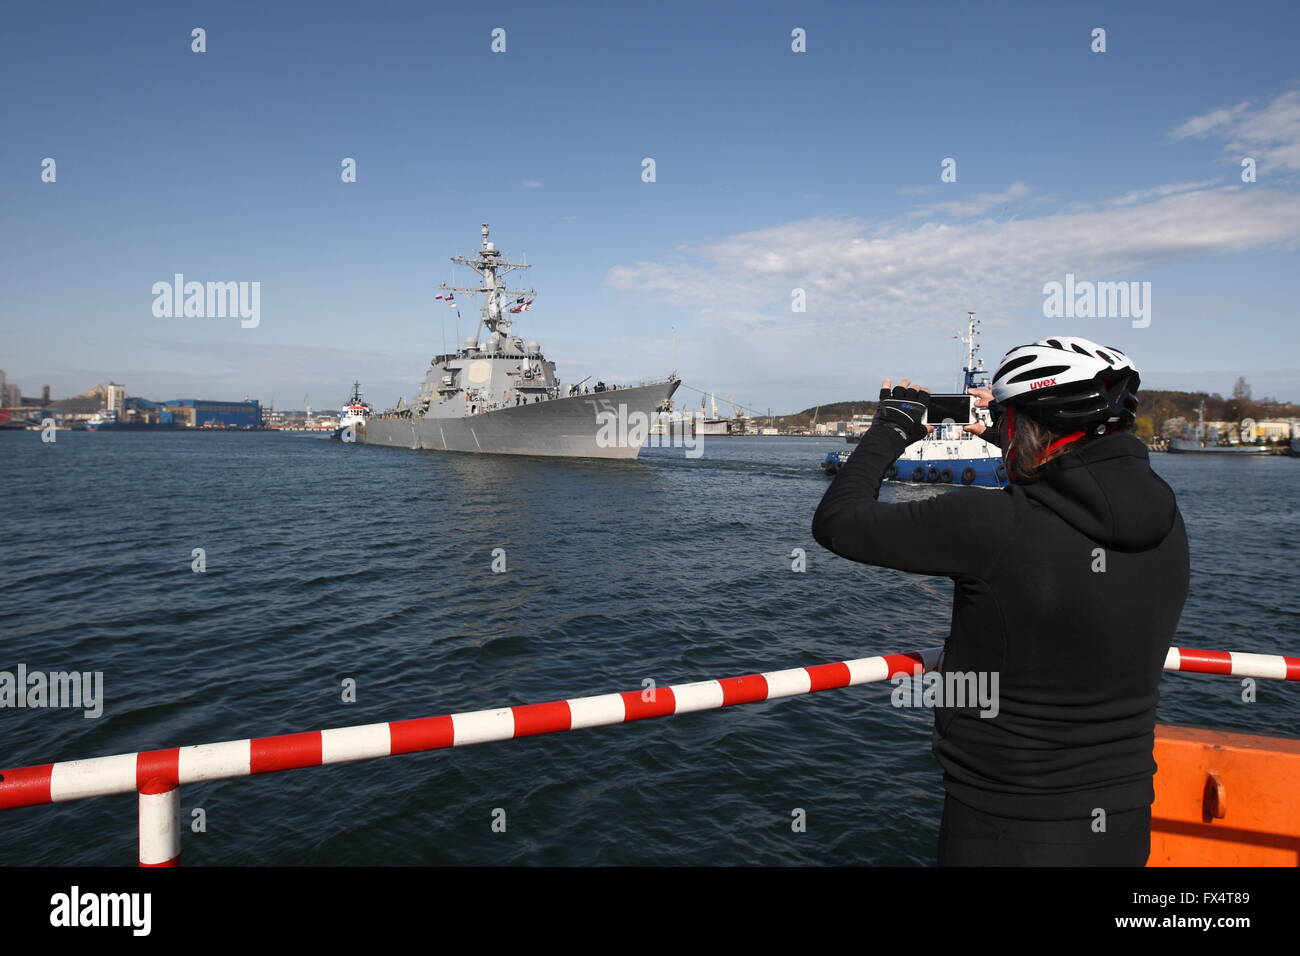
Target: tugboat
{"x": 354, "y": 412}
{"x": 501, "y": 396}
{"x": 949, "y": 455}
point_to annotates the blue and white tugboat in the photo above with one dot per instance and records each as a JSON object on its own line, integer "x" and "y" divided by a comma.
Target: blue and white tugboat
{"x": 949, "y": 455}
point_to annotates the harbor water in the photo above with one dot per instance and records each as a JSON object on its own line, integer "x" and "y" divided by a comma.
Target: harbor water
{"x": 327, "y": 561}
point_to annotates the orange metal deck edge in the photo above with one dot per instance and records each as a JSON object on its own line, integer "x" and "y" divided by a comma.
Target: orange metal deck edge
{"x": 1259, "y": 779}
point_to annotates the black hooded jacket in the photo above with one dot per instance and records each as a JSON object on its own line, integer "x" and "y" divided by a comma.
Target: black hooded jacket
{"x": 1069, "y": 586}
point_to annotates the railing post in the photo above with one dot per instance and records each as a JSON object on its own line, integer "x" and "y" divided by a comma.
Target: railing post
{"x": 160, "y": 823}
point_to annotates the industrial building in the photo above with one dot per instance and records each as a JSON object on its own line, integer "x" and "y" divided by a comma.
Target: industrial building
{"x": 107, "y": 407}
{"x": 199, "y": 413}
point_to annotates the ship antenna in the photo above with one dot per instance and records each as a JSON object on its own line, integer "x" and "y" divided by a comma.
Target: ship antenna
{"x": 491, "y": 266}
{"x": 974, "y": 365}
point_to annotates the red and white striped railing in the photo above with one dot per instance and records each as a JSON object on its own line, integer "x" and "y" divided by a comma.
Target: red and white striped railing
{"x": 1233, "y": 664}
{"x": 157, "y": 775}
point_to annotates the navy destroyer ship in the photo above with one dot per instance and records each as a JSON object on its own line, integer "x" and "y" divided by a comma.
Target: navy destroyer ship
{"x": 500, "y": 395}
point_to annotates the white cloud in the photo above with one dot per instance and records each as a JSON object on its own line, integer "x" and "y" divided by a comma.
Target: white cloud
{"x": 1158, "y": 192}
{"x": 975, "y": 205}
{"x": 864, "y": 278}
{"x": 1270, "y": 134}
{"x": 1208, "y": 122}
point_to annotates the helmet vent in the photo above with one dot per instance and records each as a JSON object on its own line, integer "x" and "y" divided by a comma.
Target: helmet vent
{"x": 1037, "y": 373}
{"x": 1080, "y": 349}
{"x": 1102, "y": 355}
{"x": 1013, "y": 365}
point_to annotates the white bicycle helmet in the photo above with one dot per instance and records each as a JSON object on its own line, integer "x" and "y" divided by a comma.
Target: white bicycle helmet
{"x": 1068, "y": 382}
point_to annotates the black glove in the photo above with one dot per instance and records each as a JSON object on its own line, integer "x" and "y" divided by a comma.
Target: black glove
{"x": 903, "y": 409}
{"x": 992, "y": 433}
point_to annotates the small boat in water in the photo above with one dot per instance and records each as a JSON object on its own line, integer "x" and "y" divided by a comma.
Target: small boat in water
{"x": 950, "y": 455}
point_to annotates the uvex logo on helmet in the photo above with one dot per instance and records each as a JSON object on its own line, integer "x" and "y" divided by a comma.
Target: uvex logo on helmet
{"x": 1043, "y": 384}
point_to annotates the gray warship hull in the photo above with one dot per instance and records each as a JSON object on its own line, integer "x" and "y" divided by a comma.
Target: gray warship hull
{"x": 571, "y": 427}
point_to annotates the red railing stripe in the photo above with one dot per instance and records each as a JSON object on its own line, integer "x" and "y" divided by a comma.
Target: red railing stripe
{"x": 904, "y": 664}
{"x": 743, "y": 690}
{"x": 828, "y": 676}
{"x": 1205, "y": 662}
{"x": 286, "y": 752}
{"x": 548, "y": 718}
{"x": 662, "y": 704}
{"x": 25, "y": 786}
{"x": 157, "y": 769}
{"x": 422, "y": 733}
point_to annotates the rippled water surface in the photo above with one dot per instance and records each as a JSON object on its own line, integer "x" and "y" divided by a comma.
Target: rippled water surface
{"x": 329, "y": 561}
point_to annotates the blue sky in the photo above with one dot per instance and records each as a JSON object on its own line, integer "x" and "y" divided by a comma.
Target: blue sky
{"x": 775, "y": 171}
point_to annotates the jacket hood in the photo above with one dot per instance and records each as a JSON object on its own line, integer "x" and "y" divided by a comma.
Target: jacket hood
{"x": 1106, "y": 489}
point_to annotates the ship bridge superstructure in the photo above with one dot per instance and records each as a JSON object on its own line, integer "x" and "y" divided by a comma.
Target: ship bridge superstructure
{"x": 498, "y": 371}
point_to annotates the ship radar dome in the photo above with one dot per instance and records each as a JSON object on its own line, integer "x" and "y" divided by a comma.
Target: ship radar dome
{"x": 533, "y": 348}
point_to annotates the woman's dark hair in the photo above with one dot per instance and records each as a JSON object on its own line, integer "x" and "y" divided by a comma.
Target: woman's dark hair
{"x": 1032, "y": 441}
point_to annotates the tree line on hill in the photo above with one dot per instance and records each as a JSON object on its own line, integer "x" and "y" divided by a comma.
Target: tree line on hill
{"x": 1157, "y": 407}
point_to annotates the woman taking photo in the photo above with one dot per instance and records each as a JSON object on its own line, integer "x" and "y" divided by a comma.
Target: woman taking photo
{"x": 1068, "y": 584}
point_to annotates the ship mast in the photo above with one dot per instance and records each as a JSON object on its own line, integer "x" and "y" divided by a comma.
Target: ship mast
{"x": 974, "y": 371}
{"x": 491, "y": 266}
